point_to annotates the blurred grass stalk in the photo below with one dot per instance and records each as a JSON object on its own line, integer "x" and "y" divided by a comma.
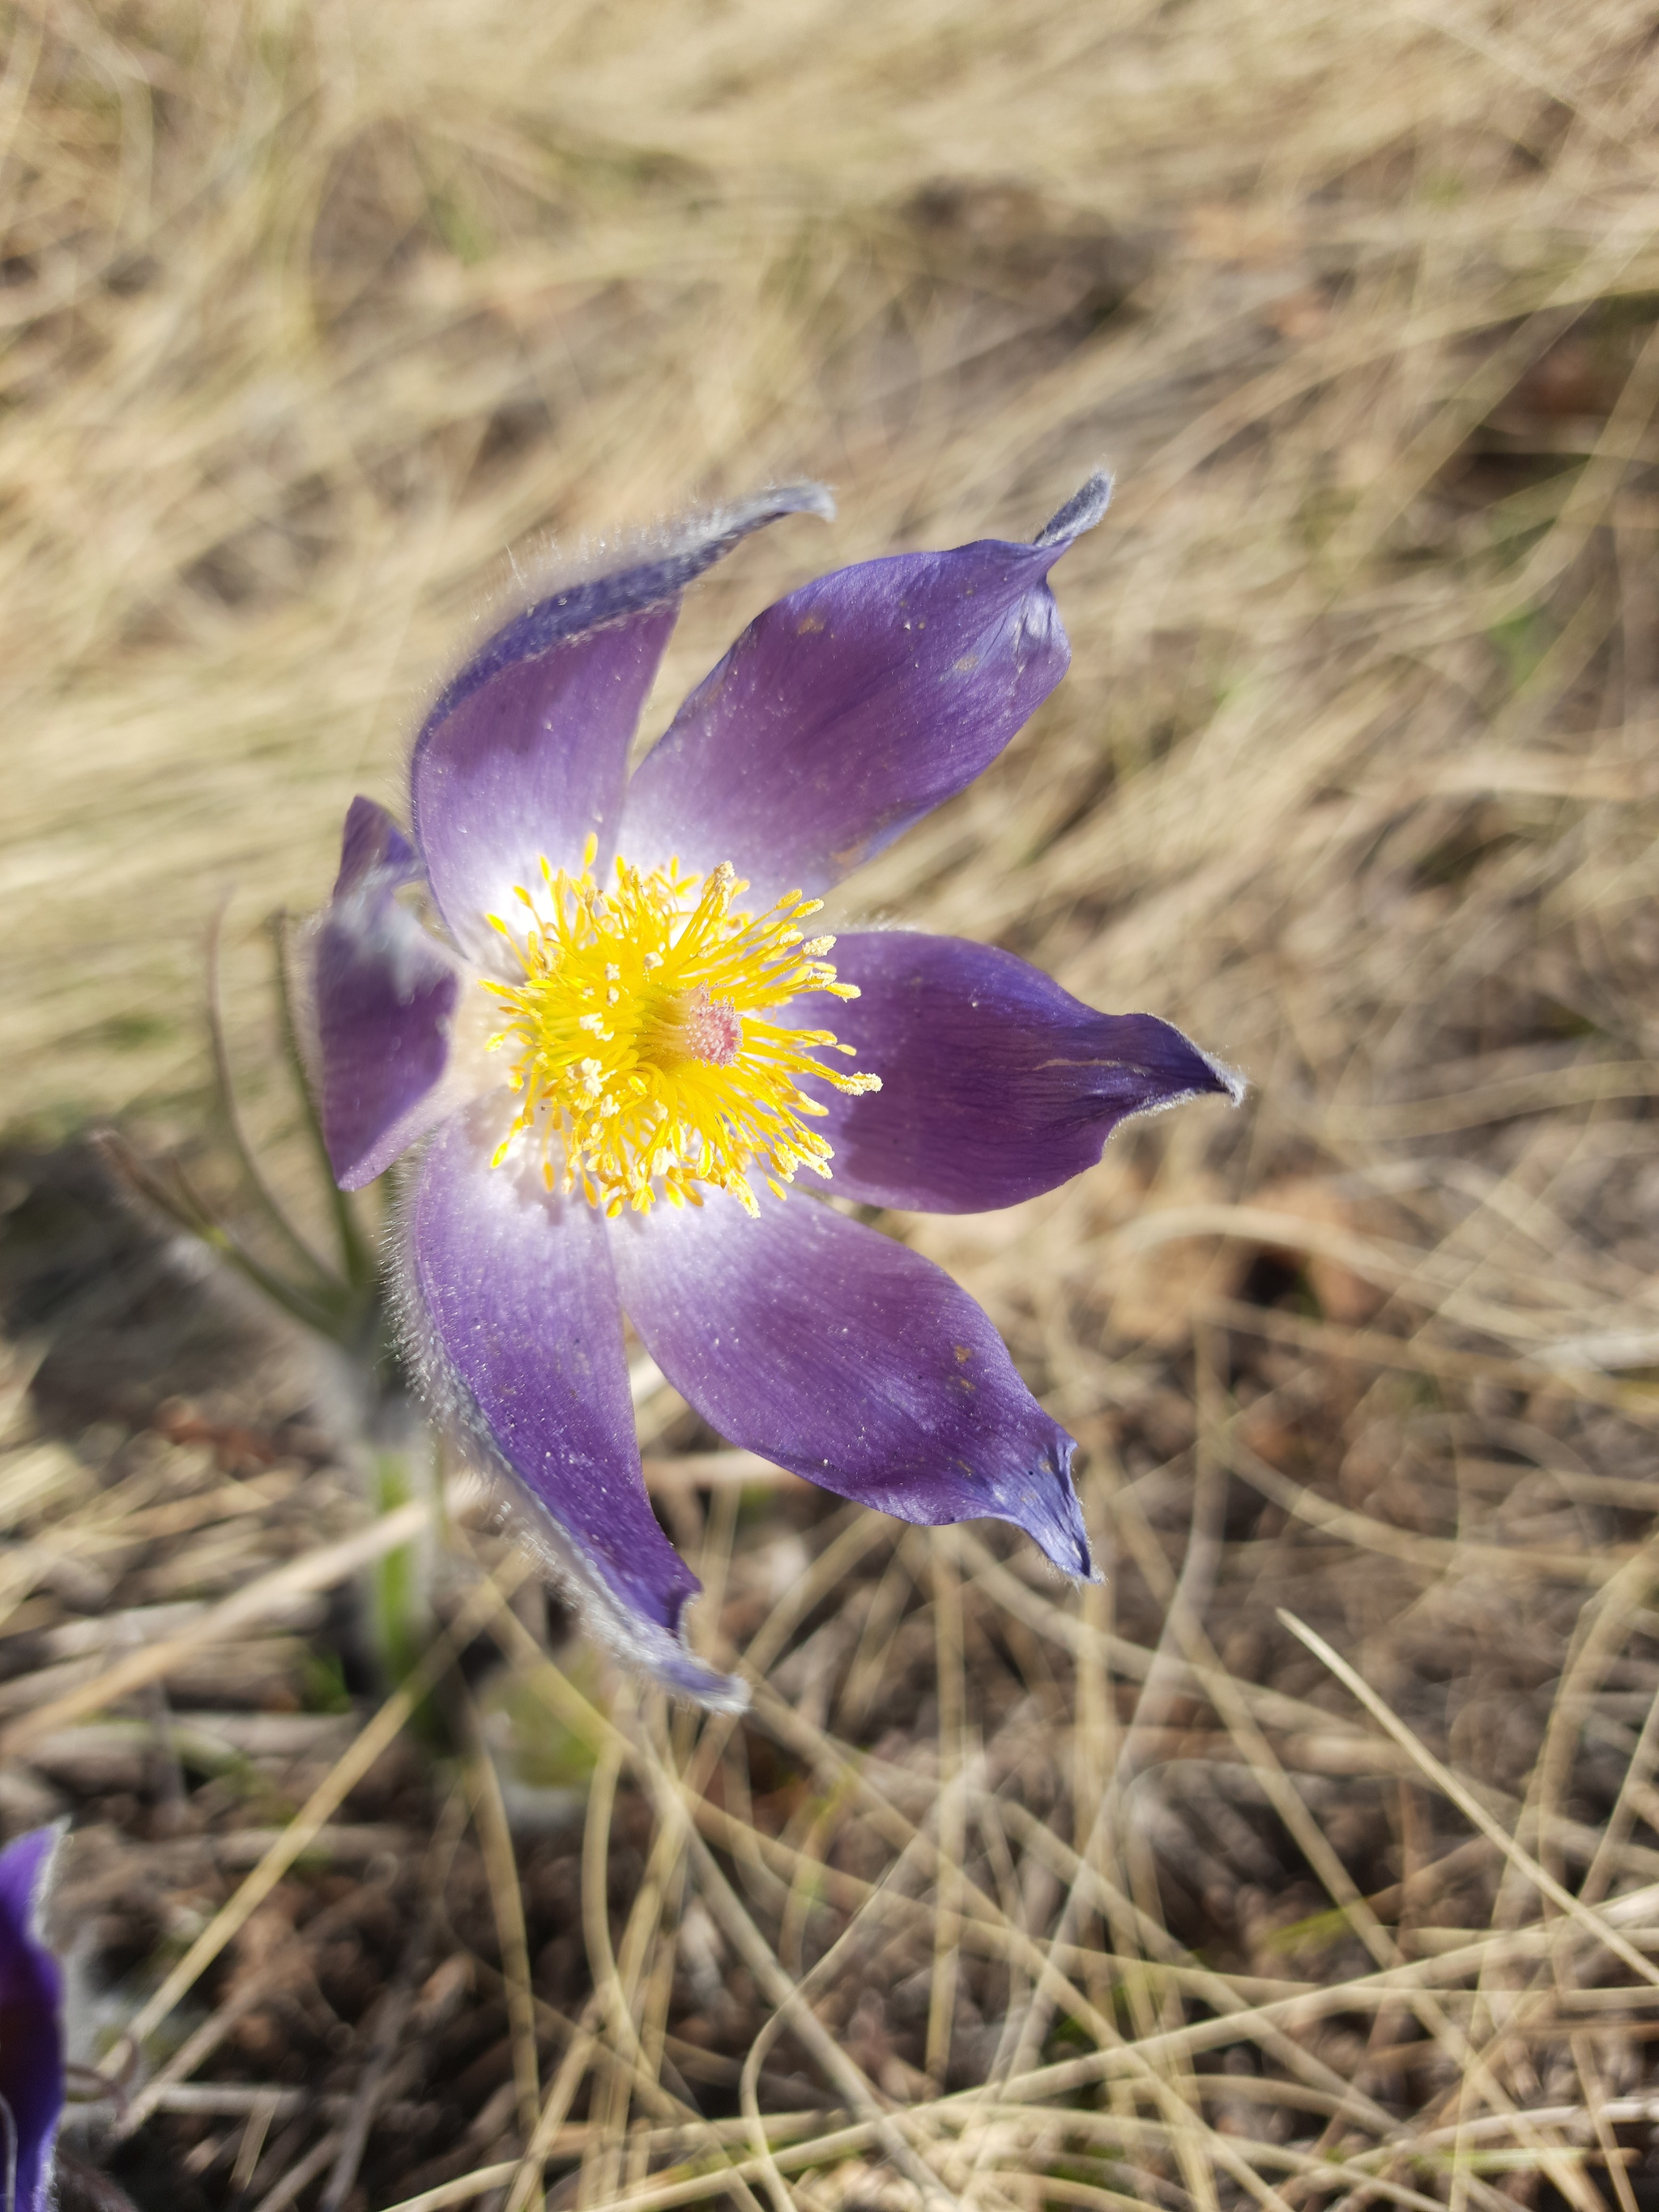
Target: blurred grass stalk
{"x": 343, "y": 1304}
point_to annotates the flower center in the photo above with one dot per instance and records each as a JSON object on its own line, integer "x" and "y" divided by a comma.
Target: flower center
{"x": 640, "y": 1040}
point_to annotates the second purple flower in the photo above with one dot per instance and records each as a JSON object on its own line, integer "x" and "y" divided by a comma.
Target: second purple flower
{"x": 30, "y": 2027}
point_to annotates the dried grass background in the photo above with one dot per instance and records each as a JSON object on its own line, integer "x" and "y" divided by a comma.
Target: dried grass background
{"x": 1314, "y": 1861}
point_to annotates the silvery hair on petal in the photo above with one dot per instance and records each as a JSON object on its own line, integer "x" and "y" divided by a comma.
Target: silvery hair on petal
{"x": 450, "y": 1406}
{"x": 610, "y": 579}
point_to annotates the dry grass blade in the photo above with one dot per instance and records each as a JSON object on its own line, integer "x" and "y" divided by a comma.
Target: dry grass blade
{"x": 489, "y": 1811}
{"x": 1470, "y": 1805}
{"x": 393, "y": 1715}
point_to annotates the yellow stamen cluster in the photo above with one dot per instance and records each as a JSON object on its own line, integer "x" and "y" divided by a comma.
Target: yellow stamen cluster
{"x": 642, "y": 1049}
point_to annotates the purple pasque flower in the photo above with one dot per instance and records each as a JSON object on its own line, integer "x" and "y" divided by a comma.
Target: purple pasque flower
{"x": 612, "y": 1037}
{"x": 30, "y": 2027}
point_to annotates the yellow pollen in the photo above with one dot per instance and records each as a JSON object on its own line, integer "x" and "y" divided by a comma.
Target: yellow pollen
{"x": 642, "y": 1048}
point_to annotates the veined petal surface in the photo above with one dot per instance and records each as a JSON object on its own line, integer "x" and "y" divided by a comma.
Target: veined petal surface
{"x": 383, "y": 995}
{"x": 524, "y": 754}
{"x": 837, "y": 1353}
{"x": 31, "y": 2018}
{"x": 853, "y": 707}
{"x": 995, "y": 1083}
{"x": 519, "y": 1334}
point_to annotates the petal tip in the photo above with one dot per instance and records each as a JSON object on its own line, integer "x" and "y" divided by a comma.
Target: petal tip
{"x": 644, "y": 1645}
{"x": 682, "y": 1675}
{"x": 657, "y": 1648}
{"x": 354, "y": 1170}
{"x": 1173, "y": 1083}
{"x": 803, "y": 496}
{"x": 27, "y": 1866}
{"x": 1229, "y": 1081}
{"x": 1084, "y": 509}
{"x": 695, "y": 542}
{"x": 1051, "y": 1515}
{"x": 372, "y": 845}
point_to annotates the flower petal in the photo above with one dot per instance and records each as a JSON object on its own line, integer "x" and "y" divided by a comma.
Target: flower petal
{"x": 841, "y": 1355}
{"x": 525, "y": 752}
{"x": 383, "y": 995}
{"x": 372, "y": 846}
{"x": 853, "y": 707}
{"x": 31, "y": 2017}
{"x": 519, "y": 1339}
{"x": 995, "y": 1084}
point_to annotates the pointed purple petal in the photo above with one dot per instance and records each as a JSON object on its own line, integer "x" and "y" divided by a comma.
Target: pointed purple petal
{"x": 525, "y": 766}
{"x": 519, "y": 1336}
{"x": 31, "y": 2017}
{"x": 22, "y": 1865}
{"x": 853, "y": 707}
{"x": 383, "y": 996}
{"x": 373, "y": 845}
{"x": 524, "y": 755}
{"x": 995, "y": 1084}
{"x": 841, "y": 1355}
